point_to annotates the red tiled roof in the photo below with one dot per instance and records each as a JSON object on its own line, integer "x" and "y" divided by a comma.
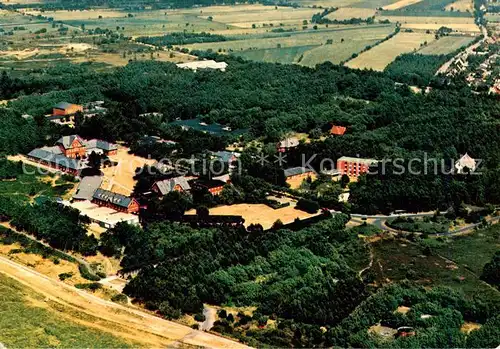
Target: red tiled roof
{"x": 338, "y": 130}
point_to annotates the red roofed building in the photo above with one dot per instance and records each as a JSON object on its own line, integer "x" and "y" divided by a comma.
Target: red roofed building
{"x": 338, "y": 130}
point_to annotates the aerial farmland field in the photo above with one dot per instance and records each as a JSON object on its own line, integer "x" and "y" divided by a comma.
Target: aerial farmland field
{"x": 355, "y": 38}
{"x": 461, "y": 5}
{"x": 335, "y": 53}
{"x": 381, "y": 55}
{"x": 351, "y": 12}
{"x": 423, "y": 23}
{"x": 446, "y": 45}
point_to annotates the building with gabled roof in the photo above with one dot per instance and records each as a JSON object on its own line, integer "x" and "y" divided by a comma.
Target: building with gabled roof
{"x": 72, "y": 146}
{"x": 338, "y": 130}
{"x": 465, "y": 164}
{"x": 288, "y": 143}
{"x": 172, "y": 184}
{"x": 294, "y": 176}
{"x": 66, "y": 109}
{"x": 117, "y": 202}
{"x": 57, "y": 161}
{"x": 87, "y": 187}
{"x": 100, "y": 147}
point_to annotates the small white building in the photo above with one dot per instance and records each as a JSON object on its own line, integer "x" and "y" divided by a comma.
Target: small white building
{"x": 208, "y": 64}
{"x": 465, "y": 162}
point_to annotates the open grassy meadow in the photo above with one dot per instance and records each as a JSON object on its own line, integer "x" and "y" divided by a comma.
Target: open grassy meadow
{"x": 381, "y": 55}
{"x": 445, "y": 45}
{"x": 29, "y": 319}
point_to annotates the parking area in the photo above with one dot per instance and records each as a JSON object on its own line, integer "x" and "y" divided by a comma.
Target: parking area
{"x": 104, "y": 216}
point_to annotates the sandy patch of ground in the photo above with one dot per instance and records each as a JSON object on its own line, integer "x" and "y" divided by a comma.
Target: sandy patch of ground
{"x": 120, "y": 178}
{"x": 76, "y": 47}
{"x": 383, "y": 331}
{"x": 468, "y": 327}
{"x": 400, "y": 4}
{"x": 402, "y": 309}
{"x": 260, "y": 213}
{"x": 121, "y": 321}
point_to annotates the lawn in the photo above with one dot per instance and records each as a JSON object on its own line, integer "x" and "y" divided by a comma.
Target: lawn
{"x": 28, "y": 320}
{"x": 381, "y": 55}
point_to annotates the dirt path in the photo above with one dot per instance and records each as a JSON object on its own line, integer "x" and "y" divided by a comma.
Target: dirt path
{"x": 125, "y": 322}
{"x": 209, "y": 318}
{"x": 360, "y": 273}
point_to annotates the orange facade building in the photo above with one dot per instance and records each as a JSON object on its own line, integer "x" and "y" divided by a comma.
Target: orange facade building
{"x": 354, "y": 167}
{"x": 66, "y": 109}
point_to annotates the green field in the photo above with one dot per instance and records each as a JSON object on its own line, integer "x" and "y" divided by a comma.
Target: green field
{"x": 24, "y": 322}
{"x": 285, "y": 55}
{"x": 335, "y": 53}
{"x": 445, "y": 45}
{"x": 311, "y": 45}
{"x": 397, "y": 260}
{"x": 474, "y": 250}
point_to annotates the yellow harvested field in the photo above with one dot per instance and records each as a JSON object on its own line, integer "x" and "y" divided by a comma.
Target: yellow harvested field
{"x": 456, "y": 27}
{"x": 351, "y": 12}
{"x": 275, "y": 16}
{"x": 328, "y": 3}
{"x": 381, "y": 55}
{"x": 260, "y": 213}
{"x": 120, "y": 178}
{"x": 457, "y": 24}
{"x": 461, "y": 5}
{"x": 63, "y": 15}
{"x": 400, "y": 4}
{"x": 443, "y": 21}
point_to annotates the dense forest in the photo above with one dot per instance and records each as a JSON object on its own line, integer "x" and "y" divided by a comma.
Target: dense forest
{"x": 180, "y": 38}
{"x": 415, "y": 69}
{"x": 305, "y": 281}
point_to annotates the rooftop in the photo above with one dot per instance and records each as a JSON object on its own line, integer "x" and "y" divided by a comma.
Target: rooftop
{"x": 63, "y": 105}
{"x": 167, "y": 185}
{"x": 358, "y": 160}
{"x": 293, "y": 171}
{"x": 111, "y": 197}
{"x": 67, "y": 141}
{"x": 87, "y": 187}
{"x": 57, "y": 159}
